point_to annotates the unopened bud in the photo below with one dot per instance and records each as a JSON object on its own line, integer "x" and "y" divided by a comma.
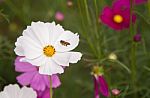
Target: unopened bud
{"x": 115, "y": 92}
{"x": 112, "y": 56}
{"x": 69, "y": 3}
{"x": 137, "y": 38}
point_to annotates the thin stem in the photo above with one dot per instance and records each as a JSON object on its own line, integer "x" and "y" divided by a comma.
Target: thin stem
{"x": 87, "y": 12}
{"x": 85, "y": 35}
{"x": 133, "y": 50}
{"x": 51, "y": 90}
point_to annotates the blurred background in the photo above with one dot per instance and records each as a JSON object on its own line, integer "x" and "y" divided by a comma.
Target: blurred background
{"x": 79, "y": 16}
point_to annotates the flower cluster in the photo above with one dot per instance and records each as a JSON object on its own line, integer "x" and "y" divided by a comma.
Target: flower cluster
{"x": 44, "y": 50}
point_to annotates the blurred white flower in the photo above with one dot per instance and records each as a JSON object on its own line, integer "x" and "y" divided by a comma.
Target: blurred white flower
{"x": 14, "y": 91}
{"x": 48, "y": 46}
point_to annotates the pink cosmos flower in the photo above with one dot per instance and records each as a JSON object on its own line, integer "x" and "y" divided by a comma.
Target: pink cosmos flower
{"x": 30, "y": 76}
{"x": 99, "y": 82}
{"x": 126, "y": 3}
{"x": 59, "y": 16}
{"x": 116, "y": 18}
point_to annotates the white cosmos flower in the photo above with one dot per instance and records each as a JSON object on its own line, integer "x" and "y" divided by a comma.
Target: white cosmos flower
{"x": 14, "y": 91}
{"x": 48, "y": 46}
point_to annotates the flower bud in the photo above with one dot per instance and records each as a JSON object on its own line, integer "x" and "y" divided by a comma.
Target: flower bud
{"x": 69, "y": 3}
{"x": 115, "y": 92}
{"x": 112, "y": 56}
{"x": 137, "y": 38}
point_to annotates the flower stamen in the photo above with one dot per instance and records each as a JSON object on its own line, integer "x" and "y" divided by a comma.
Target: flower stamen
{"x": 118, "y": 18}
{"x": 49, "y": 50}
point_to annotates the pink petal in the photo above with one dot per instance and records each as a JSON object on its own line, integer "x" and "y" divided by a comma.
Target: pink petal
{"x": 103, "y": 86}
{"x": 126, "y": 3}
{"x": 55, "y": 81}
{"x": 44, "y": 94}
{"x": 140, "y": 1}
{"x": 23, "y": 66}
{"x": 25, "y": 78}
{"x": 38, "y": 82}
{"x": 96, "y": 88}
{"x": 126, "y": 15}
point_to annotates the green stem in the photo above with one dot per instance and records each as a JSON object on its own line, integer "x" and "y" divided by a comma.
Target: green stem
{"x": 51, "y": 89}
{"x": 133, "y": 51}
{"x": 148, "y": 4}
{"x": 85, "y": 34}
{"x": 87, "y": 12}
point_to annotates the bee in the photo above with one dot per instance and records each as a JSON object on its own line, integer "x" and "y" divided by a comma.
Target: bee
{"x": 64, "y": 43}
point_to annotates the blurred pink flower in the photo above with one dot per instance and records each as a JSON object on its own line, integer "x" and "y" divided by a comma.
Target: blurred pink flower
{"x": 116, "y": 18}
{"x": 59, "y": 16}
{"x": 126, "y": 3}
{"x": 115, "y": 92}
{"x": 30, "y": 76}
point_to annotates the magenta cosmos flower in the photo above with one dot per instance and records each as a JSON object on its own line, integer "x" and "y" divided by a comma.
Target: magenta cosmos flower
{"x": 116, "y": 18}
{"x": 100, "y": 85}
{"x": 126, "y": 3}
{"x": 30, "y": 76}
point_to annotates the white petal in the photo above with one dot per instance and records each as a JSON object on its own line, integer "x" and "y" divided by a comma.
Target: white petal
{"x": 41, "y": 31}
{"x": 38, "y": 31}
{"x": 55, "y": 31}
{"x": 19, "y": 49}
{"x": 31, "y": 48}
{"x": 75, "y": 57}
{"x": 62, "y": 58}
{"x": 30, "y": 33}
{"x": 37, "y": 61}
{"x": 69, "y": 37}
{"x": 27, "y": 93}
{"x": 12, "y": 90}
{"x": 50, "y": 68}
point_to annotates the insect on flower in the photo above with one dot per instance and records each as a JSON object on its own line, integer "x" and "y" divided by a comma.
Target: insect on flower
{"x": 50, "y": 47}
{"x": 64, "y": 43}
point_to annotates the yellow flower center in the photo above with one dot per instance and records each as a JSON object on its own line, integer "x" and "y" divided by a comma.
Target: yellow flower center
{"x": 97, "y": 70}
{"x": 49, "y": 50}
{"x": 118, "y": 18}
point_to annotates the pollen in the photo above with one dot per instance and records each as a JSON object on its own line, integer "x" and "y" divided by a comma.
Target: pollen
{"x": 49, "y": 50}
{"x": 118, "y": 18}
